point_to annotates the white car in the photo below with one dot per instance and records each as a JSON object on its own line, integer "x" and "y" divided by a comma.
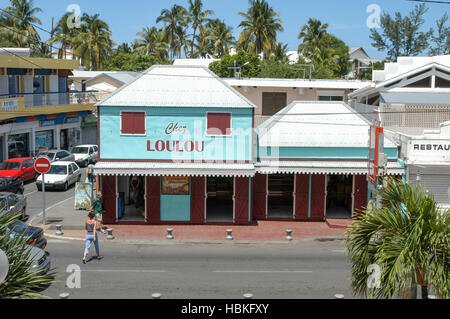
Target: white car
{"x": 60, "y": 176}
{"x": 85, "y": 154}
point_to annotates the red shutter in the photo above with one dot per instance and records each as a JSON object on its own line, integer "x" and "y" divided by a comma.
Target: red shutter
{"x": 318, "y": 197}
{"x": 153, "y": 199}
{"x": 109, "y": 199}
{"x": 133, "y": 123}
{"x": 241, "y": 200}
{"x": 301, "y": 196}
{"x": 260, "y": 196}
{"x": 219, "y": 124}
{"x": 198, "y": 200}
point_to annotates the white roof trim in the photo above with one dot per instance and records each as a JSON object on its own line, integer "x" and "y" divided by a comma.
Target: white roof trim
{"x": 174, "y": 169}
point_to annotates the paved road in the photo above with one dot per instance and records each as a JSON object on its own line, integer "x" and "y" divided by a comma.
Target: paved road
{"x": 307, "y": 269}
{"x": 54, "y": 199}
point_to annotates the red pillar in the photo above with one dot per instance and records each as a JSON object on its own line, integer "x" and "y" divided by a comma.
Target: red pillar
{"x": 260, "y": 196}
{"x": 318, "y": 197}
{"x": 241, "y": 200}
{"x": 360, "y": 195}
{"x": 198, "y": 199}
{"x": 301, "y": 196}
{"x": 109, "y": 199}
{"x": 153, "y": 199}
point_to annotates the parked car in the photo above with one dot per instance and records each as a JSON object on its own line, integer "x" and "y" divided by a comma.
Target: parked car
{"x": 19, "y": 167}
{"x": 60, "y": 176}
{"x": 13, "y": 204}
{"x": 40, "y": 260}
{"x": 85, "y": 154}
{"x": 58, "y": 155}
{"x": 11, "y": 184}
{"x": 34, "y": 235}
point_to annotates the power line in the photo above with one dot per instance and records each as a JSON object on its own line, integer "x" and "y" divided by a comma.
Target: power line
{"x": 430, "y": 1}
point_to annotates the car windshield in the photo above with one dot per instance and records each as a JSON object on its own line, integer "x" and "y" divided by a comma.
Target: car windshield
{"x": 50, "y": 155}
{"x": 58, "y": 170}
{"x": 9, "y": 166}
{"x": 80, "y": 150}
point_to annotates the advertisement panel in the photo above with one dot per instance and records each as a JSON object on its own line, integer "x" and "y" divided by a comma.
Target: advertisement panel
{"x": 83, "y": 196}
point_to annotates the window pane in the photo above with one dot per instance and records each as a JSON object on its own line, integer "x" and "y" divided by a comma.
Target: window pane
{"x": 273, "y": 102}
{"x": 133, "y": 123}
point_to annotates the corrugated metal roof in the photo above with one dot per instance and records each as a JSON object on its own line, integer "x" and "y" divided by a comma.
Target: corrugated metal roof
{"x": 174, "y": 169}
{"x": 316, "y": 124}
{"x": 299, "y": 83}
{"x": 177, "y": 86}
{"x": 416, "y": 98}
{"x": 322, "y": 167}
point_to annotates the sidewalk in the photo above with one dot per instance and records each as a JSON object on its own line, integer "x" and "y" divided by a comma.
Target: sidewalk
{"x": 72, "y": 222}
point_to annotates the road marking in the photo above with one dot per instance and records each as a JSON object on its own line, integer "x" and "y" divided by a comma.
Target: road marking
{"x": 338, "y": 251}
{"x": 122, "y": 270}
{"x": 262, "y": 271}
{"x": 30, "y": 193}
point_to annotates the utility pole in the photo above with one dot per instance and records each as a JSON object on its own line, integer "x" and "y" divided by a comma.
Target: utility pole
{"x": 237, "y": 70}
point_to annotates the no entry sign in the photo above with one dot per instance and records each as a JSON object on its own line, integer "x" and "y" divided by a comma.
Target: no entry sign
{"x": 42, "y": 165}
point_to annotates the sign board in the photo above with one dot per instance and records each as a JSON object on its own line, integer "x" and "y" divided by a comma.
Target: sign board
{"x": 428, "y": 150}
{"x": 42, "y": 165}
{"x": 375, "y": 139}
{"x": 175, "y": 185}
{"x": 83, "y": 196}
{"x": 10, "y": 105}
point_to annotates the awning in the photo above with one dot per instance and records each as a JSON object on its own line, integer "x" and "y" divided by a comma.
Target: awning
{"x": 174, "y": 169}
{"x": 322, "y": 167}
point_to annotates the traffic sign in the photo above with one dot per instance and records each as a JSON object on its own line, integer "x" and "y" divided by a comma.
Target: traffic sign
{"x": 42, "y": 165}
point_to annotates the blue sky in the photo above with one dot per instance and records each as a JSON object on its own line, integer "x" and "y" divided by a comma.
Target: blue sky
{"x": 346, "y": 18}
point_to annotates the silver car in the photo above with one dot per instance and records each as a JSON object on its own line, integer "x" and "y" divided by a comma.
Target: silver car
{"x": 13, "y": 204}
{"x": 58, "y": 155}
{"x": 40, "y": 260}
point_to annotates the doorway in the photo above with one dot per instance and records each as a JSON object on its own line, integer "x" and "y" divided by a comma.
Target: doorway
{"x": 64, "y": 139}
{"x": 339, "y": 196}
{"x": 131, "y": 202}
{"x": 219, "y": 202}
{"x": 280, "y": 197}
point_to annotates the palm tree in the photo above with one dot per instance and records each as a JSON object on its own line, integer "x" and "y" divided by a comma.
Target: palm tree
{"x": 203, "y": 44}
{"x": 407, "y": 237}
{"x": 18, "y": 23}
{"x": 152, "y": 40}
{"x": 93, "y": 42}
{"x": 260, "y": 27}
{"x": 21, "y": 281}
{"x": 221, "y": 36}
{"x": 312, "y": 35}
{"x": 63, "y": 35}
{"x": 198, "y": 17}
{"x": 174, "y": 19}
{"x": 280, "y": 51}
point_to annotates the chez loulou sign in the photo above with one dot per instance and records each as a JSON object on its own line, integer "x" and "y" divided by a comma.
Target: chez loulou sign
{"x": 429, "y": 150}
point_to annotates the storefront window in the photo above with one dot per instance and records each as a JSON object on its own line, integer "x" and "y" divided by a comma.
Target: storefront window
{"x": 175, "y": 185}
{"x": 18, "y": 145}
{"x": 43, "y": 139}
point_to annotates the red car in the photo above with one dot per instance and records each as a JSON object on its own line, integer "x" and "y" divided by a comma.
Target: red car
{"x": 19, "y": 167}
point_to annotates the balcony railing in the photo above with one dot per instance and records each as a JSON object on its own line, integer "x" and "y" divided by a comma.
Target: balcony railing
{"x": 370, "y": 112}
{"x": 33, "y": 100}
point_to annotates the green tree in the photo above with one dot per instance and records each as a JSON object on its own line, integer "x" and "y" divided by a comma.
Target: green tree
{"x": 63, "y": 35}
{"x": 22, "y": 281}
{"x": 271, "y": 68}
{"x": 442, "y": 39}
{"x": 260, "y": 27}
{"x": 311, "y": 35}
{"x": 221, "y": 37}
{"x": 197, "y": 17}
{"x": 174, "y": 19}
{"x": 152, "y": 40}
{"x": 203, "y": 44}
{"x": 338, "y": 58}
{"x": 252, "y": 69}
{"x": 401, "y": 36}
{"x": 407, "y": 237}
{"x": 93, "y": 43}
{"x": 18, "y": 23}
{"x": 133, "y": 62}
{"x": 366, "y": 74}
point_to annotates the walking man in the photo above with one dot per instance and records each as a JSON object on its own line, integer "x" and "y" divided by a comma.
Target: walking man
{"x": 97, "y": 208}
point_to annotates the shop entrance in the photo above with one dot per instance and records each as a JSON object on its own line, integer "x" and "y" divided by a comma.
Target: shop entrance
{"x": 131, "y": 203}
{"x": 64, "y": 139}
{"x": 339, "y": 196}
{"x": 280, "y": 197}
{"x": 219, "y": 202}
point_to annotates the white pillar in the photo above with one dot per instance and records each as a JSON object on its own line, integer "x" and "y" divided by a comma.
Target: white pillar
{"x": 5, "y": 147}
{"x": 33, "y": 140}
{"x": 57, "y": 137}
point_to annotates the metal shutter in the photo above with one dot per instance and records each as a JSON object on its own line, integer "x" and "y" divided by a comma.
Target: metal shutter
{"x": 437, "y": 185}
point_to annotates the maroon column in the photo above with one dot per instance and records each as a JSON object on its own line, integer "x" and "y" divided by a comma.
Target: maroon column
{"x": 318, "y": 197}
{"x": 153, "y": 200}
{"x": 301, "y": 196}
{"x": 360, "y": 195}
{"x": 241, "y": 200}
{"x": 109, "y": 199}
{"x": 198, "y": 200}
{"x": 260, "y": 196}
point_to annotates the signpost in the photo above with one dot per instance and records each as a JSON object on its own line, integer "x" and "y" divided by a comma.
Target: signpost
{"x": 377, "y": 158}
{"x": 42, "y": 166}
